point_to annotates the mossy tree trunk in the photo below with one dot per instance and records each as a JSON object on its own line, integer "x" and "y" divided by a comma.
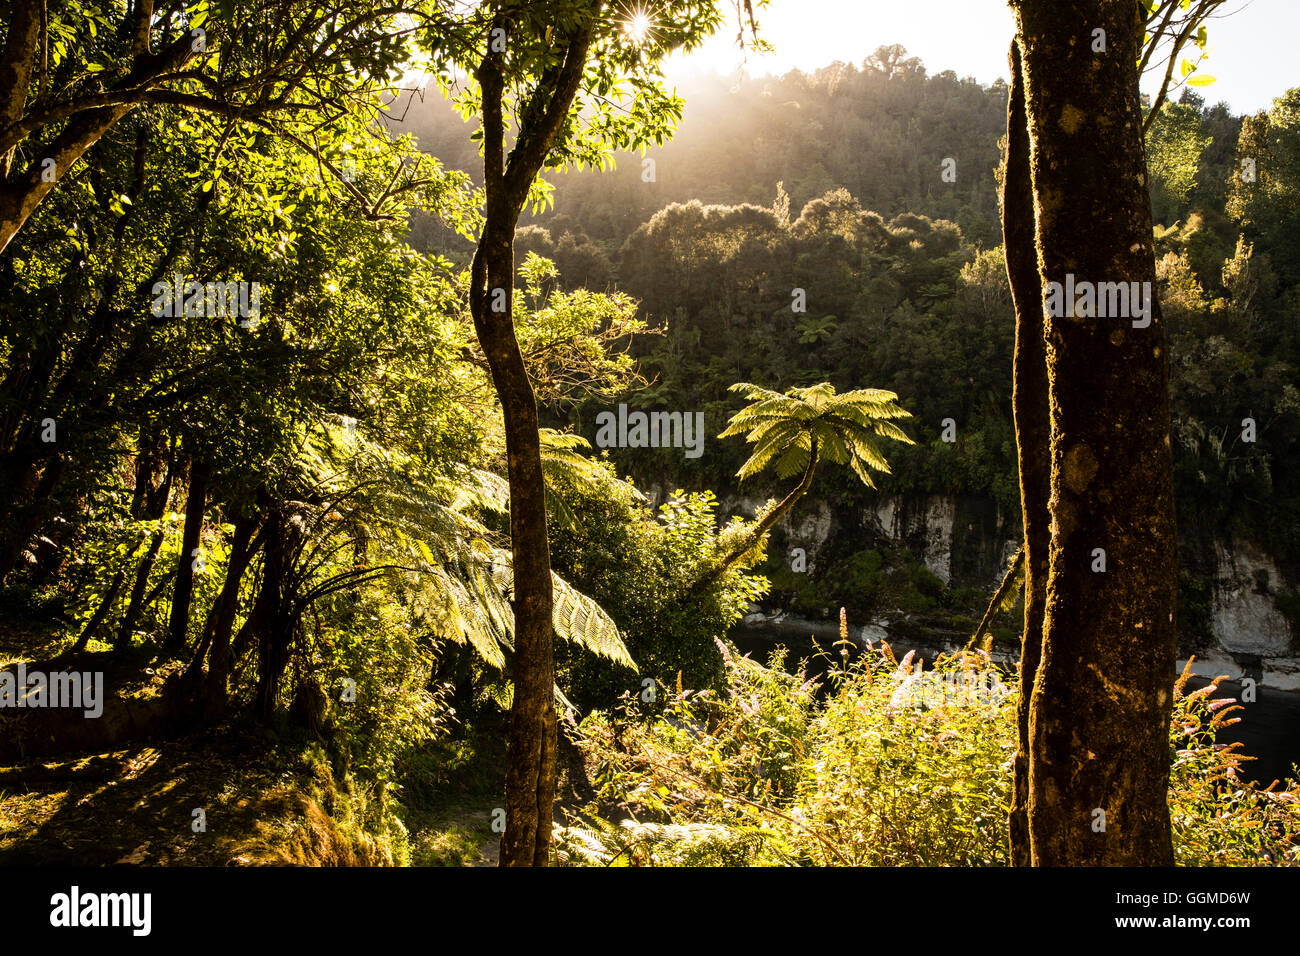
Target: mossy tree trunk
{"x": 214, "y": 642}
{"x": 154, "y": 506}
{"x": 1098, "y": 721}
{"x": 1033, "y": 429}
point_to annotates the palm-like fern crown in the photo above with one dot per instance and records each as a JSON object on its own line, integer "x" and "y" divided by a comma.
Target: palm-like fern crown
{"x": 846, "y": 429}
{"x": 444, "y": 559}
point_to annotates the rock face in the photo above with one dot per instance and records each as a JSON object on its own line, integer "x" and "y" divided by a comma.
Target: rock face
{"x": 1245, "y": 620}
{"x": 1252, "y": 638}
{"x": 962, "y": 541}
{"x": 809, "y": 525}
{"x": 967, "y": 542}
{"x": 930, "y": 525}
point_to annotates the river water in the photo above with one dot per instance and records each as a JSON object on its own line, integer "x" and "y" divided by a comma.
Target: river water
{"x": 1269, "y": 729}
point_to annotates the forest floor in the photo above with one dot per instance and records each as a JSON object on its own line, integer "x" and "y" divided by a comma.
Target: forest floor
{"x": 137, "y": 805}
{"x": 134, "y": 803}
{"x": 263, "y": 801}
{"x": 450, "y": 822}
{"x": 267, "y": 795}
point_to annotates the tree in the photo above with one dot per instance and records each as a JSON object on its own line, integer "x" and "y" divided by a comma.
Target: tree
{"x": 794, "y": 432}
{"x": 1175, "y": 143}
{"x": 1168, "y": 26}
{"x": 573, "y": 81}
{"x": 1033, "y": 427}
{"x": 1265, "y": 188}
{"x": 1092, "y": 775}
{"x": 280, "y": 66}
{"x": 891, "y": 59}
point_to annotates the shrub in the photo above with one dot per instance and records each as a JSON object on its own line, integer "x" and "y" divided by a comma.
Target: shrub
{"x": 1219, "y": 819}
{"x": 639, "y": 564}
{"x": 891, "y": 765}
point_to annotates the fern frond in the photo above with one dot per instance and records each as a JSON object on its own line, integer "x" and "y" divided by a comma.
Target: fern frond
{"x": 577, "y": 618}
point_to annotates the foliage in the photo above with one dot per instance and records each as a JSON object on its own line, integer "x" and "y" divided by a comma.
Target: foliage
{"x": 1174, "y": 149}
{"x": 637, "y": 562}
{"x": 571, "y": 340}
{"x": 788, "y": 431}
{"x": 351, "y": 441}
{"x": 887, "y": 764}
{"x": 1219, "y": 818}
{"x": 883, "y": 771}
{"x": 879, "y": 132}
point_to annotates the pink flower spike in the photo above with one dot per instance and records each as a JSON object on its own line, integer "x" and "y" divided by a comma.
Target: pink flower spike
{"x": 1221, "y": 703}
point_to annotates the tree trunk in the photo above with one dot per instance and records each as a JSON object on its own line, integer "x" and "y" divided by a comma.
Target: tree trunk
{"x": 101, "y": 613}
{"x": 135, "y": 604}
{"x": 763, "y": 527}
{"x": 22, "y": 193}
{"x": 195, "y": 500}
{"x": 21, "y": 449}
{"x": 215, "y": 640}
{"x": 1009, "y": 581}
{"x": 24, "y": 520}
{"x": 153, "y": 507}
{"x": 16, "y": 61}
{"x": 19, "y": 198}
{"x": 1100, "y": 707}
{"x": 530, "y": 773}
{"x": 145, "y": 464}
{"x": 272, "y": 623}
{"x": 1033, "y": 431}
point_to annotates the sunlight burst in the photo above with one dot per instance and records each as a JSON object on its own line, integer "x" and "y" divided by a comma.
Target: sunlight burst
{"x": 637, "y": 26}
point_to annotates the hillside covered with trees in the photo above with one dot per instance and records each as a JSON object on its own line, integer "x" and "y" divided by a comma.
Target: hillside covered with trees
{"x": 904, "y": 286}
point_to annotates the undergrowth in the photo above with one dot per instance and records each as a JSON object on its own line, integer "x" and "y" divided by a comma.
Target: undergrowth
{"x": 887, "y": 764}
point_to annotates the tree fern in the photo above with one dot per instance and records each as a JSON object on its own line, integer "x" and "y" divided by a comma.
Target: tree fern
{"x": 792, "y": 433}
{"x": 426, "y": 535}
{"x": 577, "y": 618}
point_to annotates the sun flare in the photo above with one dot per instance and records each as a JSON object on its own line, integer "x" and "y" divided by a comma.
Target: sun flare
{"x": 637, "y": 26}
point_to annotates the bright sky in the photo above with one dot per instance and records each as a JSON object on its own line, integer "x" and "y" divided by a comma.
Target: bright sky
{"x": 1252, "y": 48}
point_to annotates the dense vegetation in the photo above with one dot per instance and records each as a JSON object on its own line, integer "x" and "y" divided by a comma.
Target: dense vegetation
{"x": 905, "y": 288}
{"x": 879, "y": 762}
{"x": 254, "y": 464}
